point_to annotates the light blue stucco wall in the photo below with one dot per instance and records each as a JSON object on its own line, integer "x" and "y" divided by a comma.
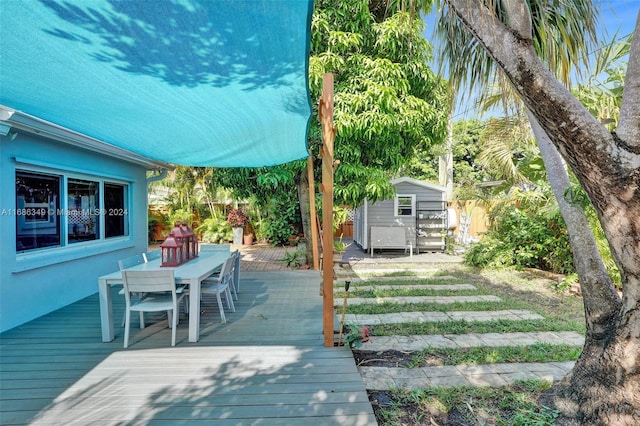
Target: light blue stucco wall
{"x": 38, "y": 282}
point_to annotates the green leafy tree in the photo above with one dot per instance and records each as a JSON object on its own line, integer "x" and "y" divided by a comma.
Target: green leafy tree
{"x": 388, "y": 102}
{"x": 602, "y": 387}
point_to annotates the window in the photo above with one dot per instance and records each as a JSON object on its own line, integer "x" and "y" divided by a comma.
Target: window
{"x": 405, "y": 205}
{"x": 37, "y": 202}
{"x": 83, "y": 210}
{"x": 91, "y": 205}
{"x": 115, "y": 210}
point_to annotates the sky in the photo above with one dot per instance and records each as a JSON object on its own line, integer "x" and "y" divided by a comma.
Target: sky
{"x": 616, "y": 18}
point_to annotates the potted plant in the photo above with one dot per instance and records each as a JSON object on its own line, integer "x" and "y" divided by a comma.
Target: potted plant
{"x": 237, "y": 219}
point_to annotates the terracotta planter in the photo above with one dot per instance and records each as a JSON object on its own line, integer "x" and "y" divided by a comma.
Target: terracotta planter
{"x": 248, "y": 239}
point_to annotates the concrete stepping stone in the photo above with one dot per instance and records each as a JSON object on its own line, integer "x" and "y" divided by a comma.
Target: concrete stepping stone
{"x": 402, "y": 278}
{"x": 406, "y": 317}
{"x": 430, "y": 287}
{"x": 444, "y": 300}
{"x": 388, "y": 378}
{"x": 419, "y": 342}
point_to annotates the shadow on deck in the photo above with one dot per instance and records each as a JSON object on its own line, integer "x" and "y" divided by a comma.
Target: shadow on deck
{"x": 267, "y": 365}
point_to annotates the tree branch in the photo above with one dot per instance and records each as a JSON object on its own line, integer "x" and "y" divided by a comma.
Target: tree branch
{"x": 519, "y": 18}
{"x": 629, "y": 124}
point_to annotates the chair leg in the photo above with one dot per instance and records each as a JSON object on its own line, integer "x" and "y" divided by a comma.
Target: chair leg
{"x": 170, "y": 318}
{"x": 221, "y": 307}
{"x": 174, "y": 327}
{"x": 141, "y": 320}
{"x": 229, "y": 297}
{"x": 234, "y": 290}
{"x": 127, "y": 325}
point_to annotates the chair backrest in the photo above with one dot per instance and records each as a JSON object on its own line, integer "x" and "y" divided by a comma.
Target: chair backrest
{"x": 152, "y": 255}
{"x": 227, "y": 269}
{"x": 149, "y": 281}
{"x": 215, "y": 247}
{"x": 235, "y": 255}
{"x": 128, "y": 262}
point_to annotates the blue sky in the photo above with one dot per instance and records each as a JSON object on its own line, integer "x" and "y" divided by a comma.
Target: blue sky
{"x": 617, "y": 17}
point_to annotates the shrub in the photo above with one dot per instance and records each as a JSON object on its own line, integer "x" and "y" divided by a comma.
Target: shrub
{"x": 215, "y": 230}
{"x": 278, "y": 224}
{"x": 524, "y": 240}
{"x": 237, "y": 218}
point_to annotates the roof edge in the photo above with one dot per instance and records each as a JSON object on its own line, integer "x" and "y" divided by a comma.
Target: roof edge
{"x": 31, "y": 124}
{"x": 417, "y": 182}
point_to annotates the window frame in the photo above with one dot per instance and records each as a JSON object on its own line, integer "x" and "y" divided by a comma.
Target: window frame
{"x": 100, "y": 212}
{"x": 397, "y": 205}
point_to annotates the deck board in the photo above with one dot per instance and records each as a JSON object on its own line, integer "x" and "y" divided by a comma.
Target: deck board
{"x": 267, "y": 365}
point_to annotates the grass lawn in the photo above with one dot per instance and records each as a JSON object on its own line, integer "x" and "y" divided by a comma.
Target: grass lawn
{"x": 512, "y": 405}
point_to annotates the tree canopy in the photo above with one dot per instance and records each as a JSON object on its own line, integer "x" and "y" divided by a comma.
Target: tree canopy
{"x": 388, "y": 102}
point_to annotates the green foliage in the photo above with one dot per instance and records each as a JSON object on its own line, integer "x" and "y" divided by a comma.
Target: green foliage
{"x": 339, "y": 245}
{"x": 282, "y": 214}
{"x": 388, "y": 103}
{"x": 215, "y": 230}
{"x": 503, "y": 406}
{"x": 355, "y": 336}
{"x": 180, "y": 215}
{"x": 293, "y": 259}
{"x": 524, "y": 240}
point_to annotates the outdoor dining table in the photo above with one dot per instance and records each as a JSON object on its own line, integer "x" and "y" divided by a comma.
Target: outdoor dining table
{"x": 190, "y": 274}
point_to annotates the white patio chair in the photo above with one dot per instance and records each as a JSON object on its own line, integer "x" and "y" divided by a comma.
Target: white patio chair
{"x": 159, "y": 288}
{"x": 236, "y": 272}
{"x": 215, "y": 247}
{"x": 219, "y": 285}
{"x": 123, "y": 264}
{"x": 226, "y": 248}
{"x": 152, "y": 255}
{"x": 234, "y": 284}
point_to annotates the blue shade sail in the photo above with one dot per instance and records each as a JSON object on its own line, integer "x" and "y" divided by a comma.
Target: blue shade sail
{"x": 192, "y": 82}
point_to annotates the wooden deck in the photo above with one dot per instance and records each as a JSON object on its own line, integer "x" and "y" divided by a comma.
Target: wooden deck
{"x": 266, "y": 366}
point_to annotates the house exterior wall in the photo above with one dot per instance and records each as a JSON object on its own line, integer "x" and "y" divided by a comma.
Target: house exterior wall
{"x": 36, "y": 282}
{"x": 382, "y": 212}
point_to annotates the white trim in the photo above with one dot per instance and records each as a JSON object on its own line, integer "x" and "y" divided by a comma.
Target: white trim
{"x": 30, "y": 124}
{"x": 47, "y": 167}
{"x": 396, "y": 204}
{"x": 418, "y": 183}
{"x": 365, "y": 230}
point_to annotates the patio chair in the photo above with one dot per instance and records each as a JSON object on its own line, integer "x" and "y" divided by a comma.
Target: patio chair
{"x": 235, "y": 272}
{"x": 160, "y": 292}
{"x": 128, "y": 263}
{"x": 152, "y": 255}
{"x": 215, "y": 247}
{"x": 234, "y": 284}
{"x": 220, "y": 284}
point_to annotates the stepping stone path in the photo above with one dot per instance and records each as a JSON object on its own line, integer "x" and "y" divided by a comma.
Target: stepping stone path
{"x": 386, "y": 378}
{"x": 435, "y": 287}
{"x": 445, "y": 300}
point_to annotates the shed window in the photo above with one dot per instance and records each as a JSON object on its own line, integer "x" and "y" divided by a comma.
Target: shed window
{"x": 405, "y": 205}
{"x": 56, "y": 210}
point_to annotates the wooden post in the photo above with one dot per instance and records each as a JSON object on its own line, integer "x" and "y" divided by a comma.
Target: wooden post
{"x": 312, "y": 210}
{"x": 325, "y": 114}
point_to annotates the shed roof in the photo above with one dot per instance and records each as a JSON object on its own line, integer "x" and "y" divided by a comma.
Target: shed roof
{"x": 192, "y": 82}
{"x": 417, "y": 182}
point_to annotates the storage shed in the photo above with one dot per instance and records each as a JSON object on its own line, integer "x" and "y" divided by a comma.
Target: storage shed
{"x": 414, "y": 220}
